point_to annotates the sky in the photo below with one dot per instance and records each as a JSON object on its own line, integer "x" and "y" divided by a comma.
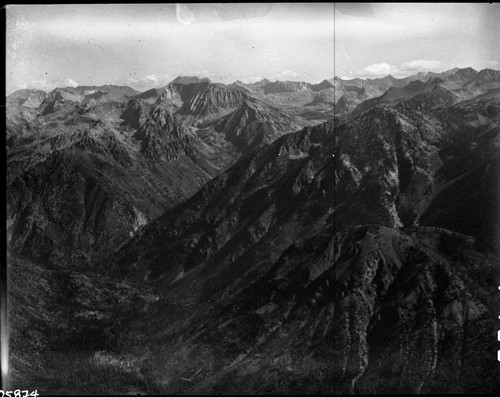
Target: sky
{"x": 373, "y": 40}
{"x": 148, "y": 45}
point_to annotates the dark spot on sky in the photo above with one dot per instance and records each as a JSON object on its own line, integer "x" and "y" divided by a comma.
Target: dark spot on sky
{"x": 355, "y": 9}
{"x": 93, "y": 43}
{"x": 229, "y": 11}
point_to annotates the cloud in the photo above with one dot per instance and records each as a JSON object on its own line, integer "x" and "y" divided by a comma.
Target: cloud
{"x": 198, "y": 72}
{"x": 403, "y": 70}
{"x": 397, "y": 22}
{"x": 151, "y": 78}
{"x": 45, "y": 85}
{"x": 138, "y": 82}
{"x": 421, "y": 65}
{"x": 287, "y": 74}
{"x": 70, "y": 83}
{"x": 355, "y": 9}
{"x": 378, "y": 69}
{"x": 348, "y": 76}
{"x": 250, "y": 80}
{"x": 270, "y": 57}
{"x": 146, "y": 82}
{"x": 214, "y": 76}
{"x": 40, "y": 85}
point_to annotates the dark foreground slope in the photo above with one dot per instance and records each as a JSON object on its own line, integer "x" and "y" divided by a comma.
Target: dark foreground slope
{"x": 304, "y": 267}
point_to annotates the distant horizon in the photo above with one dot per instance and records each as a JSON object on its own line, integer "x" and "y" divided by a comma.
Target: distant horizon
{"x": 246, "y": 83}
{"x": 146, "y": 45}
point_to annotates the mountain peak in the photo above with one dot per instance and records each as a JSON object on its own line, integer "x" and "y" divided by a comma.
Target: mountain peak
{"x": 212, "y": 98}
{"x": 285, "y": 86}
{"x": 255, "y": 123}
{"x": 325, "y": 84}
{"x": 28, "y": 98}
{"x": 487, "y": 75}
{"x": 190, "y": 80}
{"x": 466, "y": 72}
{"x": 258, "y": 84}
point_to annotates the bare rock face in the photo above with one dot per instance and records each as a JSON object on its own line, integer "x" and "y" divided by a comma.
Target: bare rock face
{"x": 285, "y": 86}
{"x": 26, "y": 98}
{"x": 21, "y": 110}
{"x": 58, "y": 100}
{"x": 162, "y": 136}
{"x": 324, "y": 85}
{"x": 213, "y": 98}
{"x": 255, "y": 124}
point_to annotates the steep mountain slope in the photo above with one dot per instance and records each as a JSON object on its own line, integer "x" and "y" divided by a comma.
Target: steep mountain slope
{"x": 355, "y": 256}
{"x": 309, "y": 102}
{"x": 122, "y": 157}
{"x": 323, "y": 85}
{"x": 325, "y": 96}
{"x": 284, "y": 86}
{"x": 26, "y": 98}
{"x": 21, "y": 110}
{"x": 303, "y": 160}
{"x": 255, "y": 124}
{"x": 390, "y": 81}
{"x": 468, "y": 202}
{"x": 60, "y": 100}
{"x": 82, "y": 184}
{"x": 462, "y": 75}
{"x": 213, "y": 98}
{"x": 430, "y": 91}
{"x": 427, "y": 94}
{"x": 107, "y": 93}
{"x": 277, "y": 246}
{"x": 170, "y": 97}
{"x": 150, "y": 96}
{"x": 194, "y": 101}
{"x": 349, "y": 96}
{"x": 164, "y": 137}
{"x": 321, "y": 319}
{"x": 346, "y": 94}
{"x": 258, "y": 84}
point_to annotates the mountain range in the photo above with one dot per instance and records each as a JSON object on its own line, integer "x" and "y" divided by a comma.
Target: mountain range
{"x": 273, "y": 237}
